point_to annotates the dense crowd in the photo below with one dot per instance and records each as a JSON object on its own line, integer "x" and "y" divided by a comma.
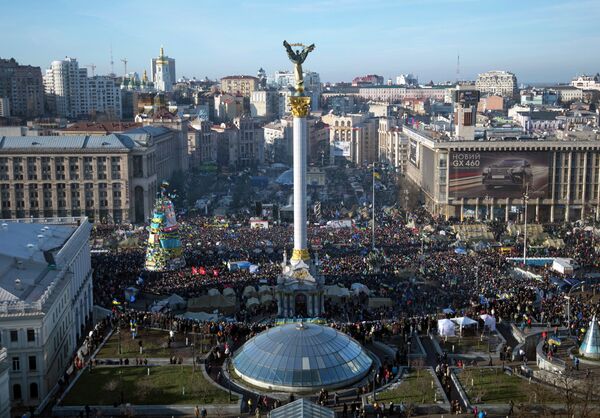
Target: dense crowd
{"x": 418, "y": 268}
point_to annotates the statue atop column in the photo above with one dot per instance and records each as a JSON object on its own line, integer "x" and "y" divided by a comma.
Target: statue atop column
{"x": 298, "y": 57}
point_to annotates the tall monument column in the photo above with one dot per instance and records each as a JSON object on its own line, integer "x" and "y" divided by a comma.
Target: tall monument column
{"x": 300, "y": 108}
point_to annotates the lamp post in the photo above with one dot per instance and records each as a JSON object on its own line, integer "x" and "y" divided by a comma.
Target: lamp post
{"x": 525, "y": 200}
{"x": 373, "y": 212}
{"x": 488, "y": 214}
{"x": 568, "y": 297}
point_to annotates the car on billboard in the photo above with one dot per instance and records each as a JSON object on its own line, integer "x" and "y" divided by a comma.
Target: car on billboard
{"x": 510, "y": 172}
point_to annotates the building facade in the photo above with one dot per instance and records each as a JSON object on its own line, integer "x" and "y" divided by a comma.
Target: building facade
{"x": 71, "y": 94}
{"x": 107, "y": 178}
{"x": 499, "y": 83}
{"x": 265, "y": 104}
{"x": 163, "y": 72}
{"x": 46, "y": 302}
{"x": 239, "y": 85}
{"x": 23, "y": 87}
{"x": 487, "y": 179}
{"x": 393, "y": 144}
{"x": 352, "y": 138}
{"x": 586, "y": 82}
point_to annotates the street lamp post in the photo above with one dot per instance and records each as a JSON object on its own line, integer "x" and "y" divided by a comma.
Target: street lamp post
{"x": 525, "y": 199}
{"x": 568, "y": 297}
{"x": 373, "y": 215}
{"x": 487, "y": 201}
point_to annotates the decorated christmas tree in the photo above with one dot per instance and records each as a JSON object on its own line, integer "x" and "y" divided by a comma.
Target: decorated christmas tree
{"x": 164, "y": 250}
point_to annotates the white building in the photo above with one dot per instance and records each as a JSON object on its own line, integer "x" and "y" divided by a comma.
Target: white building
{"x": 104, "y": 97}
{"x": 352, "y": 137}
{"x": 393, "y": 144}
{"x": 407, "y": 80}
{"x": 4, "y": 107}
{"x": 163, "y": 72}
{"x": 498, "y": 83}
{"x": 72, "y": 94}
{"x": 45, "y": 301}
{"x": 312, "y": 84}
{"x": 4, "y": 385}
{"x": 586, "y": 82}
{"x": 264, "y": 104}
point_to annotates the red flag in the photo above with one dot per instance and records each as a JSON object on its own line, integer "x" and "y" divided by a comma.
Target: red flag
{"x": 194, "y": 271}
{"x": 215, "y": 273}
{"x": 202, "y": 271}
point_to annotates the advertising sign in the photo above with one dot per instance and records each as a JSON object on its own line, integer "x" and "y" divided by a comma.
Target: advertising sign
{"x": 467, "y": 97}
{"x": 413, "y": 153}
{"x": 498, "y": 174}
{"x": 341, "y": 148}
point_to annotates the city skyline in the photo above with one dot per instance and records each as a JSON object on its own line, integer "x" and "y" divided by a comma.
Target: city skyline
{"x": 352, "y": 37}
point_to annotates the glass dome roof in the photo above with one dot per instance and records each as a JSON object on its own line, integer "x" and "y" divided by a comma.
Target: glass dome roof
{"x": 301, "y": 357}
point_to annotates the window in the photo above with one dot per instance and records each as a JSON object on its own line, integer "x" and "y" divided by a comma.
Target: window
{"x": 30, "y": 335}
{"x": 33, "y": 391}
{"x": 17, "y": 392}
{"x": 32, "y": 363}
{"x": 16, "y": 364}
{"x": 14, "y": 336}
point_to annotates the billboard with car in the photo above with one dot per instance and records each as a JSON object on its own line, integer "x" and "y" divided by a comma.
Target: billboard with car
{"x": 498, "y": 174}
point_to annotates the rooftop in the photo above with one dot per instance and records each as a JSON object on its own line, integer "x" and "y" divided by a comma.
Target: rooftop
{"x": 31, "y": 260}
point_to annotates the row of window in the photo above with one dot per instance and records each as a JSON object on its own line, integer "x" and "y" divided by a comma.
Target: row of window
{"x": 14, "y": 335}
{"x": 16, "y": 364}
{"x": 33, "y": 391}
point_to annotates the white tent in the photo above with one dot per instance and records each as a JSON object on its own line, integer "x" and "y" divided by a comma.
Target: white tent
{"x": 249, "y": 291}
{"x": 266, "y": 299}
{"x": 489, "y": 321}
{"x": 359, "y": 287}
{"x": 213, "y": 292}
{"x": 448, "y": 311}
{"x": 264, "y": 289}
{"x": 446, "y": 328}
{"x": 463, "y": 321}
{"x": 175, "y": 301}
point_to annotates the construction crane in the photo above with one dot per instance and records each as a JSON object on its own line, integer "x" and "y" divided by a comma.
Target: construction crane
{"x": 124, "y": 61}
{"x": 92, "y": 67}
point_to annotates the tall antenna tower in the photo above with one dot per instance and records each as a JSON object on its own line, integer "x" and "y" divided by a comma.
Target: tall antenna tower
{"x": 457, "y": 68}
{"x": 112, "y": 63}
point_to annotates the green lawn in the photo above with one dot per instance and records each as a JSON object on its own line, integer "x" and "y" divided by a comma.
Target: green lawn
{"x": 154, "y": 345}
{"x": 414, "y": 388}
{"x": 465, "y": 344}
{"x": 496, "y": 387}
{"x": 164, "y": 386}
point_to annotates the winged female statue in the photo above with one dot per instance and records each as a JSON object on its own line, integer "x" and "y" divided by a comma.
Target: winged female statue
{"x": 298, "y": 57}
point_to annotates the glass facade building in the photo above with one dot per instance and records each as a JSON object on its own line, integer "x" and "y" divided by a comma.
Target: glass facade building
{"x": 301, "y": 358}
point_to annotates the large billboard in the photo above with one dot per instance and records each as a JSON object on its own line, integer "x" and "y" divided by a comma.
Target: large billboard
{"x": 341, "y": 148}
{"x": 498, "y": 174}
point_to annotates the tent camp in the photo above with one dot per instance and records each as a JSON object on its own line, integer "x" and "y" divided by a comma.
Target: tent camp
{"x": 446, "y": 328}
{"x": 266, "y": 299}
{"x": 213, "y": 292}
{"x": 264, "y": 289}
{"x": 252, "y": 302}
{"x": 375, "y": 303}
{"x": 464, "y": 321}
{"x": 206, "y": 303}
{"x": 489, "y": 321}
{"x": 359, "y": 288}
{"x": 228, "y": 292}
{"x": 249, "y": 291}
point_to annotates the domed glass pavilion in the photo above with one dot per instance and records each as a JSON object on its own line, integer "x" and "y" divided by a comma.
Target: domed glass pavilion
{"x": 301, "y": 358}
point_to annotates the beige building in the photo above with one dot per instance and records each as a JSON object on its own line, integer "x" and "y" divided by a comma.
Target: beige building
{"x": 497, "y": 83}
{"x": 110, "y": 177}
{"x": 393, "y": 144}
{"x": 487, "y": 179}
{"x": 352, "y": 137}
{"x": 242, "y": 85}
{"x": 202, "y": 143}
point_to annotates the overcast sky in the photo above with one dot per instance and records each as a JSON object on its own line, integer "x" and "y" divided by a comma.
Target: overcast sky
{"x": 539, "y": 40}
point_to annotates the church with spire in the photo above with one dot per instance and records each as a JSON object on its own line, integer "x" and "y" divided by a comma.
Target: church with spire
{"x": 163, "y": 72}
